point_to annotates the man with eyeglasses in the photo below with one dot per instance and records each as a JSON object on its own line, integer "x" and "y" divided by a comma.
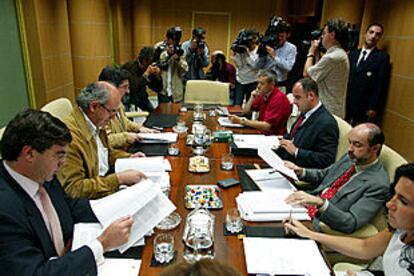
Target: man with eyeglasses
{"x": 87, "y": 170}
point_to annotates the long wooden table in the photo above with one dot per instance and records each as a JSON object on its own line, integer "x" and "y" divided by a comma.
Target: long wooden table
{"x": 228, "y": 249}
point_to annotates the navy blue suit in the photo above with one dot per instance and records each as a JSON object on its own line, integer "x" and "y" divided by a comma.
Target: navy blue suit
{"x": 316, "y": 139}
{"x": 25, "y": 244}
{"x": 367, "y": 85}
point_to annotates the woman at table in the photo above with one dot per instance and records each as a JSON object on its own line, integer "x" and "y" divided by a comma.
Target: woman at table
{"x": 396, "y": 243}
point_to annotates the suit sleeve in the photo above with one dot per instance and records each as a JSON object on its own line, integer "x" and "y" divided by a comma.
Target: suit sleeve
{"x": 359, "y": 213}
{"x": 324, "y": 151}
{"x": 380, "y": 84}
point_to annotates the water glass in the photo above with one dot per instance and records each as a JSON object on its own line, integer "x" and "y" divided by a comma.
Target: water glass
{"x": 180, "y": 124}
{"x": 173, "y": 149}
{"x": 227, "y": 163}
{"x": 164, "y": 248}
{"x": 234, "y": 222}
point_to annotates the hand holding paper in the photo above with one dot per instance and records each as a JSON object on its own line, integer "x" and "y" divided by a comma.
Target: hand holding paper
{"x": 273, "y": 160}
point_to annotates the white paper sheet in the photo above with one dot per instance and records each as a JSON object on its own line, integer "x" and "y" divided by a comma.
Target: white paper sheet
{"x": 225, "y": 121}
{"x": 144, "y": 164}
{"x": 124, "y": 267}
{"x": 145, "y": 202}
{"x": 277, "y": 256}
{"x": 169, "y": 137}
{"x": 268, "y": 180}
{"x": 273, "y": 160}
{"x": 252, "y": 141}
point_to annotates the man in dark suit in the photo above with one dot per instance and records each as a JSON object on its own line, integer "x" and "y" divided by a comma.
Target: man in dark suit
{"x": 36, "y": 216}
{"x": 313, "y": 139}
{"x": 349, "y": 193}
{"x": 368, "y": 79}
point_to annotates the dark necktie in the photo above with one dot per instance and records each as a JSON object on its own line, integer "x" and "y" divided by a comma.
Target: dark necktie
{"x": 362, "y": 60}
{"x": 296, "y": 126}
{"x": 331, "y": 191}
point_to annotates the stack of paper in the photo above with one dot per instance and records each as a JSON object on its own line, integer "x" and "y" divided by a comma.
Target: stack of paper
{"x": 268, "y": 206}
{"x": 226, "y": 122}
{"x": 165, "y": 137}
{"x": 284, "y": 257}
{"x": 268, "y": 180}
{"x": 155, "y": 168}
{"x": 252, "y": 141}
{"x": 125, "y": 267}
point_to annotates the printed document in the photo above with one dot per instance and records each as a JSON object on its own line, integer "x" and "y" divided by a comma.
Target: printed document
{"x": 274, "y": 161}
{"x": 252, "y": 141}
{"x": 226, "y": 122}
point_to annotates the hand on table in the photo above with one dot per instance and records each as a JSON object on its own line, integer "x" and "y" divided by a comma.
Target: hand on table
{"x": 302, "y": 198}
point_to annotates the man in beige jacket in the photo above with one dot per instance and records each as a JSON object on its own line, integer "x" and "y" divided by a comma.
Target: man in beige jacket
{"x": 89, "y": 156}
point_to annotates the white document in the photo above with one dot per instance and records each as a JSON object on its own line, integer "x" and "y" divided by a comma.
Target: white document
{"x": 278, "y": 256}
{"x": 268, "y": 180}
{"x": 85, "y": 232}
{"x": 252, "y": 141}
{"x": 273, "y": 160}
{"x": 225, "y": 121}
{"x": 144, "y": 164}
{"x": 124, "y": 267}
{"x": 145, "y": 202}
{"x": 165, "y": 137}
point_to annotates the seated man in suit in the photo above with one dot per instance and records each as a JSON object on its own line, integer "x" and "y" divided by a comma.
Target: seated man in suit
{"x": 313, "y": 140}
{"x": 273, "y": 106}
{"x": 349, "y": 193}
{"x": 121, "y": 131}
{"x": 36, "y": 216}
{"x": 86, "y": 170}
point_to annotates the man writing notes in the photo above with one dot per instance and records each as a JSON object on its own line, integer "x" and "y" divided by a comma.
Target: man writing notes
{"x": 86, "y": 172}
{"x": 349, "y": 193}
{"x": 273, "y": 106}
{"x": 36, "y": 216}
{"x": 313, "y": 140}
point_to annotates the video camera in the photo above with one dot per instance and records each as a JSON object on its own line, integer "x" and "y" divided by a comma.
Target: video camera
{"x": 271, "y": 37}
{"x": 174, "y": 34}
{"x": 198, "y": 35}
{"x": 242, "y": 41}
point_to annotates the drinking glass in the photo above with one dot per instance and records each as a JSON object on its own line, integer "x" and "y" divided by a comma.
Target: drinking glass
{"x": 227, "y": 163}
{"x": 234, "y": 222}
{"x": 164, "y": 247}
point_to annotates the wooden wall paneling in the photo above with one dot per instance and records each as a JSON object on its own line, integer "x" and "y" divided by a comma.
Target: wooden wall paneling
{"x": 141, "y": 25}
{"x": 121, "y": 30}
{"x": 90, "y": 39}
{"x": 349, "y": 10}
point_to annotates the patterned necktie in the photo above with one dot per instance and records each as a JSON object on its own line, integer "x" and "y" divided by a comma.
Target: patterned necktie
{"x": 54, "y": 223}
{"x": 297, "y": 125}
{"x": 331, "y": 191}
{"x": 362, "y": 59}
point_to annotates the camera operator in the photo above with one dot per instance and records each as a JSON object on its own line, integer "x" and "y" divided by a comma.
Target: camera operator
{"x": 196, "y": 54}
{"x": 244, "y": 57}
{"x": 173, "y": 66}
{"x": 221, "y": 70}
{"x": 143, "y": 73}
{"x": 279, "y": 55}
{"x": 332, "y": 70}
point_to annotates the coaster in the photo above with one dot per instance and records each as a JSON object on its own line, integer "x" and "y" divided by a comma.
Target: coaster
{"x": 155, "y": 263}
{"x": 228, "y": 233}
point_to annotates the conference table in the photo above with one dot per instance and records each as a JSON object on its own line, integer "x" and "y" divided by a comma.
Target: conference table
{"x": 228, "y": 249}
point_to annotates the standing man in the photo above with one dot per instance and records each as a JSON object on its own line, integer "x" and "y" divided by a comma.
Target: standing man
{"x": 332, "y": 70}
{"x": 273, "y": 106}
{"x": 196, "y": 54}
{"x": 349, "y": 193}
{"x": 143, "y": 74}
{"x": 36, "y": 216}
{"x": 87, "y": 171}
{"x": 313, "y": 140}
{"x": 368, "y": 79}
{"x": 245, "y": 61}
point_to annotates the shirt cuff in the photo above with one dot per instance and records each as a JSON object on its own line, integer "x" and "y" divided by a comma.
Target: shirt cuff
{"x": 296, "y": 152}
{"x": 324, "y": 206}
{"x": 97, "y": 250}
{"x": 303, "y": 174}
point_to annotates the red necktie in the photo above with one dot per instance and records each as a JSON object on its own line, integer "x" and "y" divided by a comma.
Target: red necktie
{"x": 330, "y": 193}
{"x": 297, "y": 125}
{"x": 54, "y": 223}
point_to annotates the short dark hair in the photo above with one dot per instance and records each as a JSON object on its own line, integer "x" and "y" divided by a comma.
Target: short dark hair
{"x": 340, "y": 27}
{"x": 375, "y": 24}
{"x": 309, "y": 85}
{"x": 146, "y": 53}
{"x": 114, "y": 75}
{"x": 37, "y": 129}
{"x": 198, "y": 32}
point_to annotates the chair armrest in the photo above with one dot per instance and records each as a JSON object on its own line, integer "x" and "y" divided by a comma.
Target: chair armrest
{"x": 363, "y": 232}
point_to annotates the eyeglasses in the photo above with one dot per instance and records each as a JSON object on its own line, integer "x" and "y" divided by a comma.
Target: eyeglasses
{"x": 112, "y": 111}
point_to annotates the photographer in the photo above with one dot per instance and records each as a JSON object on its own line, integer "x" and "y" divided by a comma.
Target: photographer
{"x": 276, "y": 53}
{"x": 196, "y": 54}
{"x": 221, "y": 70}
{"x": 332, "y": 70}
{"x": 244, "y": 57}
{"x": 173, "y": 66}
{"x": 143, "y": 73}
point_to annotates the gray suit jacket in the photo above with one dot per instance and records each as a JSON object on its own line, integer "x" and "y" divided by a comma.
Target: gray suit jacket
{"x": 358, "y": 201}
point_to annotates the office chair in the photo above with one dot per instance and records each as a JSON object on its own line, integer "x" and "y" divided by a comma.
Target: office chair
{"x": 59, "y": 108}
{"x": 207, "y": 92}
